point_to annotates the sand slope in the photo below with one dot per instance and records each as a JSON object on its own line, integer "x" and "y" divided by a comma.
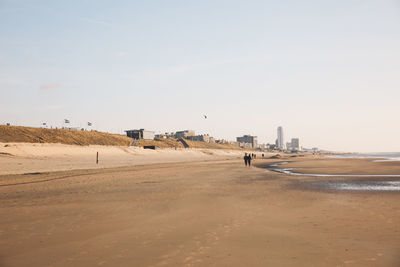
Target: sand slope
{"x": 62, "y": 136}
{"x": 13, "y": 134}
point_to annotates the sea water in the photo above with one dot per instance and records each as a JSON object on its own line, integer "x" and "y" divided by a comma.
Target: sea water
{"x": 380, "y": 156}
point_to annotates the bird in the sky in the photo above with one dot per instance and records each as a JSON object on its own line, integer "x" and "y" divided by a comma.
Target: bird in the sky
{"x": 205, "y": 116}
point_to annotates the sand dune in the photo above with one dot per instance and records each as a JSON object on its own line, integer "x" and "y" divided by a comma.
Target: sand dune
{"x": 20, "y": 134}
{"x": 10, "y": 134}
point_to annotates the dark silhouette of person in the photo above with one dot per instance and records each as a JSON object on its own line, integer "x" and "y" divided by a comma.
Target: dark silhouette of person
{"x": 263, "y": 155}
{"x": 249, "y": 160}
{"x": 246, "y": 159}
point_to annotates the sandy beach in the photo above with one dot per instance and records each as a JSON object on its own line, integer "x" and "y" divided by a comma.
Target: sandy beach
{"x": 198, "y": 213}
{"x": 20, "y": 158}
{"x": 131, "y": 133}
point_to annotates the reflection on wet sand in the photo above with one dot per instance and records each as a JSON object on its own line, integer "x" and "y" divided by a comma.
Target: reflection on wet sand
{"x": 352, "y": 185}
{"x": 357, "y": 185}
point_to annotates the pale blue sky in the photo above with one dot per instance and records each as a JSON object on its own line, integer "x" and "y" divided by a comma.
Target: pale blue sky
{"x": 327, "y": 71}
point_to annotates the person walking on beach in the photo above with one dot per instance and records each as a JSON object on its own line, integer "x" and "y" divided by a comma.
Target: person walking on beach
{"x": 246, "y": 159}
{"x": 249, "y": 160}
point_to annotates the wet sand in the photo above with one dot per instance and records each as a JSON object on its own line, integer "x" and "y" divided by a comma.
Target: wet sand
{"x": 320, "y": 165}
{"x": 193, "y": 214}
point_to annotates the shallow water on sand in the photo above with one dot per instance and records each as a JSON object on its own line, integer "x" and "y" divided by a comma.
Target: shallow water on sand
{"x": 290, "y": 171}
{"x": 358, "y": 185}
{"x": 352, "y": 185}
{"x": 388, "y": 156}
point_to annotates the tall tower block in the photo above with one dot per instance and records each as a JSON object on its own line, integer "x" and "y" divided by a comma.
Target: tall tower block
{"x": 281, "y": 141}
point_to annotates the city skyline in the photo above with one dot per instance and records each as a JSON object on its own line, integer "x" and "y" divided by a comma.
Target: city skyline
{"x": 327, "y": 72}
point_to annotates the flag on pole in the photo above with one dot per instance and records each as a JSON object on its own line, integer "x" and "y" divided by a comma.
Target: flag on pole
{"x": 66, "y": 121}
{"x": 89, "y": 123}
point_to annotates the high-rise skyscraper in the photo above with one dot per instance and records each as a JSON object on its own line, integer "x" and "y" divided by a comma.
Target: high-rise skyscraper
{"x": 281, "y": 142}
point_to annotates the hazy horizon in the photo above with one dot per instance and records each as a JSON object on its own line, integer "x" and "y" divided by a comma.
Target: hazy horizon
{"x": 327, "y": 72}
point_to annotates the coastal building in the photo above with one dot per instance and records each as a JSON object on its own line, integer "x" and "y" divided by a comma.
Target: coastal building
{"x": 263, "y": 147}
{"x": 271, "y": 146}
{"x": 140, "y": 134}
{"x": 247, "y": 139}
{"x": 165, "y": 135}
{"x": 280, "y": 140}
{"x": 187, "y": 134}
{"x": 244, "y": 145}
{"x": 201, "y": 138}
{"x": 288, "y": 146}
{"x": 295, "y": 144}
{"x": 184, "y": 134}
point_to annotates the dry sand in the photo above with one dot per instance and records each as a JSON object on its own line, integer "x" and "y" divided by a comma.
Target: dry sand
{"x": 192, "y": 214}
{"x": 19, "y": 158}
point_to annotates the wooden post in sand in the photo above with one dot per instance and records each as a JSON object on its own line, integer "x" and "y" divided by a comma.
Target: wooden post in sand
{"x": 97, "y": 157}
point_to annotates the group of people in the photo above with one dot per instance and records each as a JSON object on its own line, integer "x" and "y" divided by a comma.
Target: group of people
{"x": 248, "y": 157}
